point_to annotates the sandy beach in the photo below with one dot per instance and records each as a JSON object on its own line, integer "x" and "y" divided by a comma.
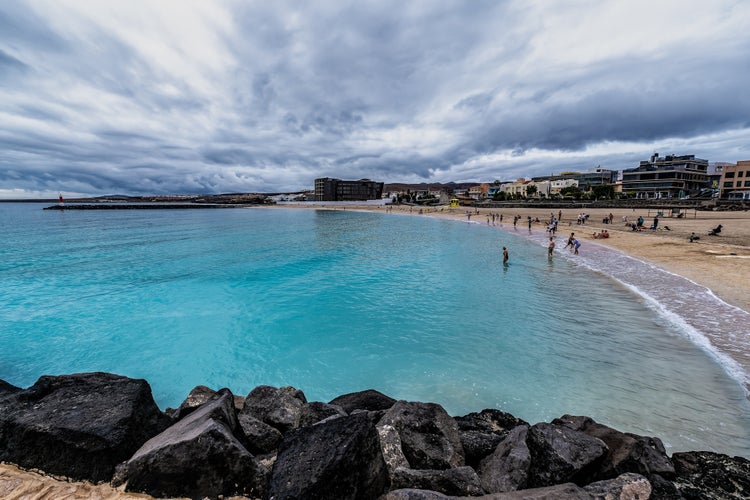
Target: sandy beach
{"x": 720, "y": 263}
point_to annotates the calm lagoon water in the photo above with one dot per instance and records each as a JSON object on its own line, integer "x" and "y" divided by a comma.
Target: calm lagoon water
{"x": 339, "y": 301}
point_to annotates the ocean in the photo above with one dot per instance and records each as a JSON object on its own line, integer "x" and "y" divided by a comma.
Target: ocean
{"x": 335, "y": 301}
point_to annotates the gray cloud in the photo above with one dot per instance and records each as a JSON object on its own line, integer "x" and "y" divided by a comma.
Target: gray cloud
{"x": 265, "y": 97}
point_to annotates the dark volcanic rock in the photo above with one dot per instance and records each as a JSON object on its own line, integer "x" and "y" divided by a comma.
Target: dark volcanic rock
{"x": 560, "y": 454}
{"x": 337, "y": 459}
{"x": 482, "y": 432}
{"x": 507, "y": 469}
{"x": 628, "y": 485}
{"x": 566, "y": 491}
{"x": 197, "y": 397}
{"x": 279, "y": 408}
{"x": 461, "y": 481}
{"x": 627, "y": 452}
{"x": 413, "y": 494}
{"x": 6, "y": 388}
{"x": 429, "y": 436}
{"x": 370, "y": 400}
{"x": 261, "y": 437}
{"x": 198, "y": 456}
{"x": 315, "y": 412}
{"x": 80, "y": 426}
{"x": 704, "y": 474}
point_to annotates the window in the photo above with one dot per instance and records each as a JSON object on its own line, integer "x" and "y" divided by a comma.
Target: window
{"x": 747, "y": 184}
{"x": 739, "y": 174}
{"x": 728, "y": 184}
{"x": 729, "y": 175}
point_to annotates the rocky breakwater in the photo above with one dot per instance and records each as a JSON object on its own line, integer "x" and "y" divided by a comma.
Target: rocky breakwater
{"x": 273, "y": 443}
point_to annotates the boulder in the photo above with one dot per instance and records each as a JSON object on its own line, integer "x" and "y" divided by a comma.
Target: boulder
{"x": 507, "y": 469}
{"x": 709, "y": 475}
{"x": 626, "y": 486}
{"x": 197, "y": 397}
{"x": 413, "y": 494}
{"x": 197, "y": 457}
{"x": 461, "y": 481}
{"x": 482, "y": 432}
{"x": 80, "y": 426}
{"x": 337, "y": 459}
{"x": 261, "y": 438}
{"x": 279, "y": 408}
{"x": 370, "y": 400}
{"x": 560, "y": 454}
{"x": 314, "y": 412}
{"x": 6, "y": 388}
{"x": 429, "y": 436}
{"x": 627, "y": 452}
{"x": 565, "y": 491}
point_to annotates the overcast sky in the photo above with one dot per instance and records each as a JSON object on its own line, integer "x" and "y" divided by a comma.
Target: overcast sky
{"x": 155, "y": 97}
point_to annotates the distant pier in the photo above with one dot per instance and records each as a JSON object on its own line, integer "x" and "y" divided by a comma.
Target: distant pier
{"x": 142, "y": 206}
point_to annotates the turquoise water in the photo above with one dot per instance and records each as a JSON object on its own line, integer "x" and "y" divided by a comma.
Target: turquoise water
{"x": 338, "y": 301}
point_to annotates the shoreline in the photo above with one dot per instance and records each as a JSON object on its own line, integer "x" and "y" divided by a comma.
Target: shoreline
{"x": 718, "y": 263}
{"x": 700, "y": 287}
{"x": 708, "y": 263}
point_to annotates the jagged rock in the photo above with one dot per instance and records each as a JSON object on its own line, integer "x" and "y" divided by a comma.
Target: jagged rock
{"x": 482, "y": 432}
{"x": 709, "y": 475}
{"x": 338, "y": 459}
{"x": 198, "y": 456}
{"x": 565, "y": 491}
{"x": 261, "y": 437}
{"x": 390, "y": 445}
{"x": 315, "y": 412}
{"x": 370, "y": 400}
{"x": 80, "y": 426}
{"x": 461, "y": 481}
{"x": 6, "y": 388}
{"x": 627, "y": 452}
{"x": 663, "y": 489}
{"x": 429, "y": 436}
{"x": 560, "y": 454}
{"x": 197, "y": 397}
{"x": 628, "y": 486}
{"x": 413, "y": 494}
{"x": 507, "y": 469}
{"x": 279, "y": 408}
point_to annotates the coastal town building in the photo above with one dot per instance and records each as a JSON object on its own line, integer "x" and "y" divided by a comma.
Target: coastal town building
{"x": 329, "y": 189}
{"x": 516, "y": 188}
{"x": 670, "y": 176}
{"x": 479, "y": 192}
{"x": 735, "y": 181}
{"x": 599, "y": 177}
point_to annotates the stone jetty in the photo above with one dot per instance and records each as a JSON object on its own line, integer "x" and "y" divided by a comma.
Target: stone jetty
{"x": 275, "y": 444}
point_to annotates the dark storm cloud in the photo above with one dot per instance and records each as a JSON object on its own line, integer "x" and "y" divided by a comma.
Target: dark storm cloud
{"x": 197, "y": 97}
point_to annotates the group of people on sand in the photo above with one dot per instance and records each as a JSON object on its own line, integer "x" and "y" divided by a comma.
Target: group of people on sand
{"x": 603, "y": 234}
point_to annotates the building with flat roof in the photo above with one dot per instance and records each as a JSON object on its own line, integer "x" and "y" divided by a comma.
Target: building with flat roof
{"x": 599, "y": 177}
{"x": 735, "y": 181}
{"x": 329, "y": 189}
{"x": 666, "y": 177}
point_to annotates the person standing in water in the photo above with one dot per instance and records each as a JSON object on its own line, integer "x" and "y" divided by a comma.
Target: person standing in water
{"x": 505, "y": 255}
{"x": 551, "y": 246}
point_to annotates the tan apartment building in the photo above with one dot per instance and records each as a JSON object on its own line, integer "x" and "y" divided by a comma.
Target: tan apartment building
{"x": 735, "y": 181}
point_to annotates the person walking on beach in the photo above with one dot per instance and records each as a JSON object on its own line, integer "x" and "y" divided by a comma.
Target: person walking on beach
{"x": 505, "y": 255}
{"x": 551, "y": 246}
